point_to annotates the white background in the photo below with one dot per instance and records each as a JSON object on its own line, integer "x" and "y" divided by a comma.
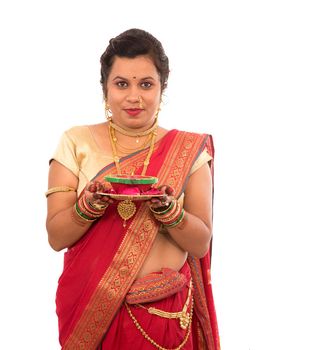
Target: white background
{"x": 253, "y": 74}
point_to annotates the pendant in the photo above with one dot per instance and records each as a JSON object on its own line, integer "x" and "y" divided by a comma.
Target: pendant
{"x": 126, "y": 210}
{"x": 184, "y": 320}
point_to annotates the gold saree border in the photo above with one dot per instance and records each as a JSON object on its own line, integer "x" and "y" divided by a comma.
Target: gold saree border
{"x": 135, "y": 246}
{"x": 187, "y": 148}
{"x": 107, "y": 296}
{"x": 200, "y": 302}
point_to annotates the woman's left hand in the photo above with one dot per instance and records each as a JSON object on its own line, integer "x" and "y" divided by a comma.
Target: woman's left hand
{"x": 163, "y": 201}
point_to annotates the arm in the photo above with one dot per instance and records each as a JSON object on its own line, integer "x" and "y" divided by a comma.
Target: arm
{"x": 64, "y": 225}
{"x": 63, "y": 228}
{"x": 194, "y": 233}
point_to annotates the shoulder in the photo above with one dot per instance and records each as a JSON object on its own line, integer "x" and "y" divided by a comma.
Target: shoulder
{"x": 200, "y": 139}
{"x": 191, "y": 134}
{"x": 202, "y": 143}
{"x": 83, "y": 133}
{"x": 76, "y": 132}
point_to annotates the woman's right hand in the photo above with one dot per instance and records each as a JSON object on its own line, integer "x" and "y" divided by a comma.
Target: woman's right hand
{"x": 93, "y": 193}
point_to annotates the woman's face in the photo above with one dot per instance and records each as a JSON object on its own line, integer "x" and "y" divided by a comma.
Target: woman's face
{"x": 134, "y": 92}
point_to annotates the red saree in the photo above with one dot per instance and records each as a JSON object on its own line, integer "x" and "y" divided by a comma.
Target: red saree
{"x": 100, "y": 268}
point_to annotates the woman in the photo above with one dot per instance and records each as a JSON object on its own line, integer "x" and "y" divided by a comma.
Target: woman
{"x": 136, "y": 273}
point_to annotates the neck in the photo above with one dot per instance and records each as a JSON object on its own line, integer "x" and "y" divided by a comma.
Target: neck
{"x": 133, "y": 132}
{"x": 152, "y": 132}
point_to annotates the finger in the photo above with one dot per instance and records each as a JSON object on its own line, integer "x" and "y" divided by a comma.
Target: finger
{"x": 99, "y": 186}
{"x": 105, "y": 199}
{"x": 164, "y": 199}
{"x": 91, "y": 187}
{"x": 155, "y": 201}
{"x": 163, "y": 188}
{"x": 170, "y": 190}
{"x": 96, "y": 196}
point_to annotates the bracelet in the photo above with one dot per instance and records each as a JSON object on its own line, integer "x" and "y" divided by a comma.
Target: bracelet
{"x": 83, "y": 215}
{"x": 84, "y": 209}
{"x": 87, "y": 206}
{"x": 59, "y": 189}
{"x": 171, "y": 205}
{"x": 178, "y": 221}
{"x": 168, "y": 219}
{"x": 172, "y": 216}
{"x": 76, "y": 218}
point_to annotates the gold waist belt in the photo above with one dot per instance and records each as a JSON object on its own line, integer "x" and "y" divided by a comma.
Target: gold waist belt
{"x": 184, "y": 316}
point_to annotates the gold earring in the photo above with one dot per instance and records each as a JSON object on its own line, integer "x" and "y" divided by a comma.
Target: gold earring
{"x": 158, "y": 110}
{"x": 141, "y": 106}
{"x": 156, "y": 114}
{"x": 108, "y": 112}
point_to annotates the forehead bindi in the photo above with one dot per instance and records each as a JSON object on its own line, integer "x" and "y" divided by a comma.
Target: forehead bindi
{"x": 138, "y": 68}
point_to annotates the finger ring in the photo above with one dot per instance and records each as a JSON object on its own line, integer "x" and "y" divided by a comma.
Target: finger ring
{"x": 98, "y": 206}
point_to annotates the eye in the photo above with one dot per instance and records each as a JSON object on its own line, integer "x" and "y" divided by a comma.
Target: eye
{"x": 122, "y": 84}
{"x": 146, "y": 85}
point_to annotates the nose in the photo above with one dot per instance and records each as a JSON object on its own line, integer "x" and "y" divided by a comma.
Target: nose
{"x": 133, "y": 95}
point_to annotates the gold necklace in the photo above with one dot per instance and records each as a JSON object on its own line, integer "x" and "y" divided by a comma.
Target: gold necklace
{"x": 127, "y": 208}
{"x": 116, "y": 158}
{"x": 132, "y": 133}
{"x": 126, "y": 150}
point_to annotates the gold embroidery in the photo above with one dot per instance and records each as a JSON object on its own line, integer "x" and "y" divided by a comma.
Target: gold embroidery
{"x": 138, "y": 239}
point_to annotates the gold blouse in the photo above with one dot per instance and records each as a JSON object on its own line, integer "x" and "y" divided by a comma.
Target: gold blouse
{"x": 78, "y": 151}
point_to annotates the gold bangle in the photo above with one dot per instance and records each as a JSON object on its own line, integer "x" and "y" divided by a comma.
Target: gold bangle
{"x": 76, "y": 218}
{"x": 82, "y": 215}
{"x": 177, "y": 221}
{"x": 59, "y": 189}
{"x": 171, "y": 215}
{"x": 166, "y": 209}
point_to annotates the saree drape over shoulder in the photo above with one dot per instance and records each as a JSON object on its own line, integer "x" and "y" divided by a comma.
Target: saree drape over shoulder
{"x": 101, "y": 267}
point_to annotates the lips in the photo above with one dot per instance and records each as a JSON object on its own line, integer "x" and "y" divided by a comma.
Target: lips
{"x": 133, "y": 111}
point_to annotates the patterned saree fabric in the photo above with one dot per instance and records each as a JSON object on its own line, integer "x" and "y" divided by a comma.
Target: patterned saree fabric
{"x": 100, "y": 269}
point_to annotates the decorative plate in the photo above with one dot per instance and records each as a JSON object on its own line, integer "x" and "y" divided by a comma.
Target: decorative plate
{"x": 122, "y": 182}
{"x": 135, "y": 197}
{"x": 132, "y": 179}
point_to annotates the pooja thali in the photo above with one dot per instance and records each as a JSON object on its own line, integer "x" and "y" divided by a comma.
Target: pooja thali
{"x": 132, "y": 197}
{"x": 132, "y": 187}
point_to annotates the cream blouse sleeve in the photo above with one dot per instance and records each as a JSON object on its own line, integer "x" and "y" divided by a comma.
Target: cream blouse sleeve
{"x": 66, "y": 154}
{"x": 201, "y": 160}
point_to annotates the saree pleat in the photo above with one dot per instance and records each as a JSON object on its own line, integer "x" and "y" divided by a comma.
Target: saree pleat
{"x": 123, "y": 334}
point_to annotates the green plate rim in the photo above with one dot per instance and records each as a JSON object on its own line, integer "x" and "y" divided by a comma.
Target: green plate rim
{"x": 129, "y": 181}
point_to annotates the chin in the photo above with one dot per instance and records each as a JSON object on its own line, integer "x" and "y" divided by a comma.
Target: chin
{"x": 133, "y": 122}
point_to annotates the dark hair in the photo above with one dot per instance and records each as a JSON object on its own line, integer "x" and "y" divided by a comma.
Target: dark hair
{"x": 133, "y": 43}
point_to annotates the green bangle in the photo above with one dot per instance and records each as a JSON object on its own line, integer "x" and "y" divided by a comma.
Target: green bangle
{"x": 164, "y": 211}
{"x": 82, "y": 215}
{"x": 177, "y": 222}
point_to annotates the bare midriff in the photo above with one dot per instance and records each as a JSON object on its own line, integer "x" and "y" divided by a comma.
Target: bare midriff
{"x": 164, "y": 253}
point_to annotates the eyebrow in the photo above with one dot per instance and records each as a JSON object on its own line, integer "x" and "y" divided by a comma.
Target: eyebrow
{"x": 122, "y": 78}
